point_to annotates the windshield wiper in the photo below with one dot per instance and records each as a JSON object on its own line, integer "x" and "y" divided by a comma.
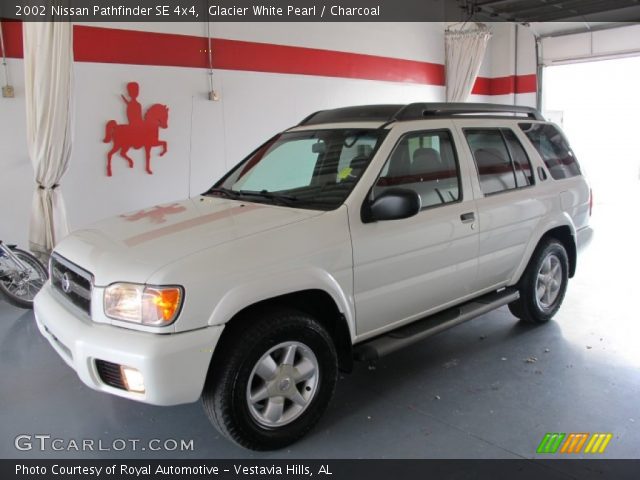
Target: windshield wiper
{"x": 282, "y": 198}
{"x": 224, "y": 191}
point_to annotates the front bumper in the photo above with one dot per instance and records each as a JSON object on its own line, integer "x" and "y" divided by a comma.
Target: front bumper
{"x": 174, "y": 366}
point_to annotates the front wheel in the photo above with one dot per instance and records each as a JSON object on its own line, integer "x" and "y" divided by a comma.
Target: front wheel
{"x": 543, "y": 285}
{"x": 272, "y": 380}
{"x": 20, "y": 286}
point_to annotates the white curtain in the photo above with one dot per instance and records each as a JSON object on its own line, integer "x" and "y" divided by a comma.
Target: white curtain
{"x": 48, "y": 65}
{"x": 464, "y": 51}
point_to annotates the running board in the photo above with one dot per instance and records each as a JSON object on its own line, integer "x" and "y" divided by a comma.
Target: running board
{"x": 429, "y": 326}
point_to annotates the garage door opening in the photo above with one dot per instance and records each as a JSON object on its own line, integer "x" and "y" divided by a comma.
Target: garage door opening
{"x": 597, "y": 104}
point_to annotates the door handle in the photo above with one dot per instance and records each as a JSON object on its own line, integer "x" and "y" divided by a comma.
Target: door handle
{"x": 468, "y": 217}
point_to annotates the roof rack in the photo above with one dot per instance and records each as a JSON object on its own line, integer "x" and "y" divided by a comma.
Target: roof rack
{"x": 413, "y": 111}
{"x": 360, "y": 113}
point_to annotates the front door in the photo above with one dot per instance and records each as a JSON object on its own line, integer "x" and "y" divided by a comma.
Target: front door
{"x": 405, "y": 269}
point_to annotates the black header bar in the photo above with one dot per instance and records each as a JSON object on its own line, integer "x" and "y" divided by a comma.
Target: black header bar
{"x": 317, "y": 10}
{"x": 321, "y": 469}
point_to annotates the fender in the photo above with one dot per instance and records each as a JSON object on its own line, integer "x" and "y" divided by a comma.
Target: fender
{"x": 559, "y": 219}
{"x": 271, "y": 286}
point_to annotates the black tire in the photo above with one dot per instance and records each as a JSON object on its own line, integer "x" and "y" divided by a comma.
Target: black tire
{"x": 515, "y": 308}
{"x": 226, "y": 398}
{"x": 21, "y": 294}
{"x": 530, "y": 307}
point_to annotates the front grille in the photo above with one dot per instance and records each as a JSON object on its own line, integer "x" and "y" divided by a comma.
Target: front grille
{"x": 73, "y": 282}
{"x": 110, "y": 374}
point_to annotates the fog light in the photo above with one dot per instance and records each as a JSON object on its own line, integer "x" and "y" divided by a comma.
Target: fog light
{"x": 133, "y": 380}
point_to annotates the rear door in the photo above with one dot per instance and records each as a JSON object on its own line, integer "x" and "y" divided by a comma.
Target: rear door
{"x": 508, "y": 209}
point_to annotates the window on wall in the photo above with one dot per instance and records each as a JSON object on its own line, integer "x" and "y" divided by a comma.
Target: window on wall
{"x": 553, "y": 148}
{"x": 426, "y": 163}
{"x": 500, "y": 159}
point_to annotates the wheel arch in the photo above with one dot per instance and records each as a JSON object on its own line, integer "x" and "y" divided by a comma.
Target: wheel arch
{"x": 565, "y": 236}
{"x": 564, "y": 232}
{"x": 316, "y": 302}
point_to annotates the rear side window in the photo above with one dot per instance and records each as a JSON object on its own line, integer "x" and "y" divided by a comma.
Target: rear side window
{"x": 500, "y": 159}
{"x": 553, "y": 148}
{"x": 521, "y": 164}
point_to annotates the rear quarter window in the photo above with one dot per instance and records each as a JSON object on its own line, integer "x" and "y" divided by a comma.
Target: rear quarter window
{"x": 552, "y": 146}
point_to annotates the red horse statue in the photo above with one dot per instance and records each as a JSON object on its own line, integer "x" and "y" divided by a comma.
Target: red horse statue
{"x": 139, "y": 132}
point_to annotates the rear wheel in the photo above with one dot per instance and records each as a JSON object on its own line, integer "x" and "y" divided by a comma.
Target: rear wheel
{"x": 18, "y": 286}
{"x": 543, "y": 285}
{"x": 274, "y": 380}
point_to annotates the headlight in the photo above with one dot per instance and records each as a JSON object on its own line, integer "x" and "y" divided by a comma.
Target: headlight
{"x": 155, "y": 306}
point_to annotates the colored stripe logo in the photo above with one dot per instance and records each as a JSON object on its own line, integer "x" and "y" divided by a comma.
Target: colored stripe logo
{"x": 598, "y": 443}
{"x": 574, "y": 443}
{"x": 550, "y": 443}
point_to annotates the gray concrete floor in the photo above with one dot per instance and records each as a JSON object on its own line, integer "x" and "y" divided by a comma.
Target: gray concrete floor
{"x": 467, "y": 393}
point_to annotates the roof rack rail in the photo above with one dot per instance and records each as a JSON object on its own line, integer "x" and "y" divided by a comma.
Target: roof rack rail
{"x": 358, "y": 113}
{"x": 415, "y": 111}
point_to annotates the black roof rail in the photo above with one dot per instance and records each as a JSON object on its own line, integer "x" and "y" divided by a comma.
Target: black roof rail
{"x": 360, "y": 113}
{"x": 413, "y": 111}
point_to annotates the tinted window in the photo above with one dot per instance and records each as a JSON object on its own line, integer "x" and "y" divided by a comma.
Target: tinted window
{"x": 553, "y": 148}
{"x": 501, "y": 161}
{"x": 495, "y": 170}
{"x": 425, "y": 162}
{"x": 360, "y": 147}
{"x": 311, "y": 169}
{"x": 287, "y": 166}
{"x": 521, "y": 163}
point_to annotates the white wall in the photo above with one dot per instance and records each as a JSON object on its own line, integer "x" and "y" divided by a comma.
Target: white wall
{"x": 205, "y": 138}
{"x": 16, "y": 174}
{"x": 502, "y": 60}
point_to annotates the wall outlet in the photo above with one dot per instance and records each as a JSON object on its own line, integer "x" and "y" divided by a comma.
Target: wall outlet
{"x": 213, "y": 95}
{"x": 7, "y": 91}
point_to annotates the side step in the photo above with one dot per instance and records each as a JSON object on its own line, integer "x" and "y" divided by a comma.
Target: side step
{"x": 429, "y": 326}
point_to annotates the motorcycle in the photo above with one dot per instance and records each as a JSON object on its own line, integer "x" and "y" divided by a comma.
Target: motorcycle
{"x": 22, "y": 276}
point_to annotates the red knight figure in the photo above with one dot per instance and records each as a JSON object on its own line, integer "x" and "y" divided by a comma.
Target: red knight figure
{"x": 139, "y": 132}
{"x": 134, "y": 109}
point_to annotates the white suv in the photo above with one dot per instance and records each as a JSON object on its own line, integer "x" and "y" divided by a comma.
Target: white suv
{"x": 355, "y": 233}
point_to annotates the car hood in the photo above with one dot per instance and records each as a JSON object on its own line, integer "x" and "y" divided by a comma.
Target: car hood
{"x": 130, "y": 247}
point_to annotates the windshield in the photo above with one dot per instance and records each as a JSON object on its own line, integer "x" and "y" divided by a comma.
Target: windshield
{"x": 311, "y": 169}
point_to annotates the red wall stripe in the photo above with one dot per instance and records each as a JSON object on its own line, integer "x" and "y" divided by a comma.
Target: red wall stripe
{"x": 108, "y": 45}
{"x": 505, "y": 85}
{"x": 12, "y": 32}
{"x": 527, "y": 83}
{"x": 237, "y": 55}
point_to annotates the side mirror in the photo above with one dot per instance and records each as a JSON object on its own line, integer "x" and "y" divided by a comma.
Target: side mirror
{"x": 392, "y": 204}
